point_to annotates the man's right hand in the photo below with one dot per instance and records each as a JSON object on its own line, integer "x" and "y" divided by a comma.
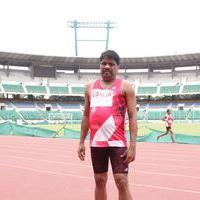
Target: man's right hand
{"x": 81, "y": 152}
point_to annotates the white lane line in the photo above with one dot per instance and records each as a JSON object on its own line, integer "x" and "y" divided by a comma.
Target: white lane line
{"x": 166, "y": 188}
{"x": 168, "y": 159}
{"x": 136, "y": 162}
{"x": 142, "y": 154}
{"x": 139, "y": 156}
{"x": 45, "y": 160}
{"x": 168, "y": 154}
{"x": 40, "y": 153}
{"x": 166, "y": 174}
{"x": 165, "y": 165}
{"x": 89, "y": 166}
{"x": 69, "y": 151}
{"x": 176, "y": 151}
{"x": 47, "y": 149}
{"x": 91, "y": 179}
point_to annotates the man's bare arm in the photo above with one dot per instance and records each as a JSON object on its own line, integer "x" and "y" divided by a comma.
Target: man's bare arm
{"x": 132, "y": 116}
{"x": 84, "y": 125}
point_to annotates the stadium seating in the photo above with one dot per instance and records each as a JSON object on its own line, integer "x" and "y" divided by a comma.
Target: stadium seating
{"x": 16, "y": 88}
{"x": 9, "y": 115}
{"x": 141, "y": 115}
{"x": 77, "y": 90}
{"x": 169, "y": 89}
{"x": 194, "y": 115}
{"x": 76, "y": 115}
{"x": 31, "y": 115}
{"x": 58, "y": 90}
{"x": 191, "y": 88}
{"x": 27, "y": 105}
{"x": 36, "y": 89}
{"x": 180, "y": 114}
{"x": 155, "y": 115}
{"x": 147, "y": 90}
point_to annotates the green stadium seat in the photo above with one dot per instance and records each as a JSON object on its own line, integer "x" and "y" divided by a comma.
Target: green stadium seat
{"x": 36, "y": 89}
{"x": 53, "y": 115}
{"x": 31, "y": 115}
{"x": 59, "y": 90}
{"x": 140, "y": 115}
{"x": 194, "y": 115}
{"x": 170, "y": 89}
{"x": 17, "y": 88}
{"x": 77, "y": 90}
{"x": 155, "y": 115}
{"x": 9, "y": 115}
{"x": 191, "y": 88}
{"x": 179, "y": 114}
{"x": 76, "y": 115}
{"x": 147, "y": 90}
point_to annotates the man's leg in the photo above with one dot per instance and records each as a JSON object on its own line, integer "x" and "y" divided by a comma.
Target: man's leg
{"x": 100, "y": 157}
{"x": 120, "y": 172}
{"x": 100, "y": 189}
{"x": 172, "y": 136}
{"x": 121, "y": 181}
{"x": 162, "y": 135}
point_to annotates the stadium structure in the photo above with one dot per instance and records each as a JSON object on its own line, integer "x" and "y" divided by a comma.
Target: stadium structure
{"x": 50, "y": 89}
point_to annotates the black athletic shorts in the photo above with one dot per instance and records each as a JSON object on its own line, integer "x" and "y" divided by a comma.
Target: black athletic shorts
{"x": 100, "y": 159}
{"x": 168, "y": 128}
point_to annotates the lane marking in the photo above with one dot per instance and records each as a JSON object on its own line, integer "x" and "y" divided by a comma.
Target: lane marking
{"x": 89, "y": 166}
{"x": 91, "y": 179}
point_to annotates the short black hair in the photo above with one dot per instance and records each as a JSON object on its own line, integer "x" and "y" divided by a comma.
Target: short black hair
{"x": 111, "y": 55}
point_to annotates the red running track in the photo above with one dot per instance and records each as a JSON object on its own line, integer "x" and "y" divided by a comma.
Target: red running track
{"x": 48, "y": 169}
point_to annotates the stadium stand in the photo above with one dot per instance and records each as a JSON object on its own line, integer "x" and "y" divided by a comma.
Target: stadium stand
{"x": 170, "y": 89}
{"x": 156, "y": 90}
{"x": 36, "y": 89}
{"x": 147, "y": 90}
{"x": 77, "y": 90}
{"x": 9, "y": 115}
{"x": 191, "y": 88}
{"x": 15, "y": 88}
{"x": 58, "y": 90}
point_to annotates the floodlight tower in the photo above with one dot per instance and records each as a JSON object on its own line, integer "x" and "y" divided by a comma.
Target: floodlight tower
{"x": 107, "y": 25}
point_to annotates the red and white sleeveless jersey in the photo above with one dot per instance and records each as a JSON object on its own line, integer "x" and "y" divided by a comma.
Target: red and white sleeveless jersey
{"x": 168, "y": 120}
{"x": 107, "y": 115}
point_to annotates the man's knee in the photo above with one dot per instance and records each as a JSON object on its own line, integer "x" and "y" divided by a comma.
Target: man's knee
{"x": 100, "y": 180}
{"x": 121, "y": 181}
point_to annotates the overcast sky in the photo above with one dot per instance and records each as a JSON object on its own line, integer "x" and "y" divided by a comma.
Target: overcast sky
{"x": 144, "y": 27}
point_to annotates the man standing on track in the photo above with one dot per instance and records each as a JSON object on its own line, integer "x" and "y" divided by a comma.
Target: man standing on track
{"x": 106, "y": 103}
{"x": 168, "y": 123}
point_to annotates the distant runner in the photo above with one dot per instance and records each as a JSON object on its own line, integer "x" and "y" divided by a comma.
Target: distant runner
{"x": 168, "y": 123}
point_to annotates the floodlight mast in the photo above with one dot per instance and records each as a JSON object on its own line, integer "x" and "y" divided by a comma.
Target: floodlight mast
{"x": 107, "y": 25}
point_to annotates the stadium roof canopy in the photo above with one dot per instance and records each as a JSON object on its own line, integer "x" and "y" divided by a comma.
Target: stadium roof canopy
{"x": 75, "y": 63}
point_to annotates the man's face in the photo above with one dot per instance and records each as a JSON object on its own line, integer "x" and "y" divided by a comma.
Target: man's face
{"x": 109, "y": 69}
{"x": 169, "y": 112}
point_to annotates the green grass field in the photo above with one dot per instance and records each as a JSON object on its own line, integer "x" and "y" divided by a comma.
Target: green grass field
{"x": 143, "y": 128}
{"x": 178, "y": 128}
